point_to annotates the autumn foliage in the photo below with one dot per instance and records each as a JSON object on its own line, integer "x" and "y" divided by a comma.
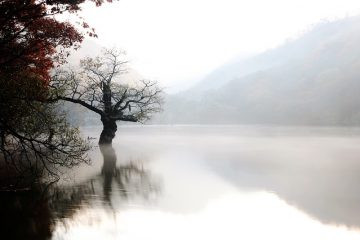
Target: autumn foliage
{"x": 32, "y": 42}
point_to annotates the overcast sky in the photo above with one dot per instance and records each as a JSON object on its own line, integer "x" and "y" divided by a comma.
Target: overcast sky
{"x": 178, "y": 42}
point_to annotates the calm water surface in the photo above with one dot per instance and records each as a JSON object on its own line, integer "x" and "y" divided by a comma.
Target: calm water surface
{"x": 215, "y": 182}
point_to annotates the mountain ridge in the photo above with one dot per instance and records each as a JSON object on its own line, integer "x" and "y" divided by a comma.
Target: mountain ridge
{"x": 312, "y": 80}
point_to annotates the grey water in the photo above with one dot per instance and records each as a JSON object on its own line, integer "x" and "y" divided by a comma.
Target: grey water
{"x": 215, "y": 182}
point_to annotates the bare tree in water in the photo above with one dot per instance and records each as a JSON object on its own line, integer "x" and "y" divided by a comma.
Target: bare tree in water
{"x": 97, "y": 87}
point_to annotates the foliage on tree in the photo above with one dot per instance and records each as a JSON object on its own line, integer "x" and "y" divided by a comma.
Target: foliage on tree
{"x": 98, "y": 87}
{"x": 36, "y": 135}
{"x": 32, "y": 42}
{"x": 30, "y": 35}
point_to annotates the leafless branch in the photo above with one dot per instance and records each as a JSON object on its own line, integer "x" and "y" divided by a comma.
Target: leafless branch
{"x": 98, "y": 86}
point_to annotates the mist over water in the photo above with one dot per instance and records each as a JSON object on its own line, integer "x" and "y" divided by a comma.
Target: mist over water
{"x": 253, "y": 110}
{"x": 229, "y": 182}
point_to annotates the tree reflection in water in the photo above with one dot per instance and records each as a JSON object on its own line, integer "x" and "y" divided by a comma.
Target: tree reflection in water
{"x": 33, "y": 213}
{"x": 131, "y": 178}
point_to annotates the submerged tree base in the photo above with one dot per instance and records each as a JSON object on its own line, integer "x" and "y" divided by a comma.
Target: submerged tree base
{"x": 108, "y": 132}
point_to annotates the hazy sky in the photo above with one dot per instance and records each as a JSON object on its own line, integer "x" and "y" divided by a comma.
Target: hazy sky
{"x": 177, "y": 42}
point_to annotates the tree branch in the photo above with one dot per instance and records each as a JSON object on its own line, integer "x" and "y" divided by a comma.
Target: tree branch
{"x": 83, "y": 103}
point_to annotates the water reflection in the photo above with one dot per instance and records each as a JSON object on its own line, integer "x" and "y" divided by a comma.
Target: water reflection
{"x": 35, "y": 212}
{"x": 25, "y": 215}
{"x": 319, "y": 176}
{"x": 315, "y": 170}
{"x": 216, "y": 185}
{"x": 109, "y": 171}
{"x": 131, "y": 179}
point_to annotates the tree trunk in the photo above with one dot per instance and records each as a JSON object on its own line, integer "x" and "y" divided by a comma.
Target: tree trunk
{"x": 108, "y": 132}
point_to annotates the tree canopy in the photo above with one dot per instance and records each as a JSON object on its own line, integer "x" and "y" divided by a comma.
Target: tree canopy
{"x": 32, "y": 42}
{"x": 98, "y": 87}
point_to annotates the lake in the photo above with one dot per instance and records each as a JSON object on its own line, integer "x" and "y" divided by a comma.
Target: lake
{"x": 214, "y": 182}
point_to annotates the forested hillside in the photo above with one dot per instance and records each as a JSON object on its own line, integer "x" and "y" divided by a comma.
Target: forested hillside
{"x": 313, "y": 80}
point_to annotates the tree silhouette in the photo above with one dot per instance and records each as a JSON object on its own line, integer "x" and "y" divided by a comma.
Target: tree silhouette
{"x": 98, "y": 88}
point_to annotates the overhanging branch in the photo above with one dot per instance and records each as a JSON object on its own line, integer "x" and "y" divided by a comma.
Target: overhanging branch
{"x": 88, "y": 106}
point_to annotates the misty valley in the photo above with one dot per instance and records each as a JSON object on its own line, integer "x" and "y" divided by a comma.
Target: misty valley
{"x": 179, "y": 120}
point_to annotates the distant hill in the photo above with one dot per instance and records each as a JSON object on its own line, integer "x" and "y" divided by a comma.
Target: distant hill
{"x": 313, "y": 80}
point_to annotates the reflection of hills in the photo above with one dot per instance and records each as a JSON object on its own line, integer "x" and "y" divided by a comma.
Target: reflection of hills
{"x": 327, "y": 190}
